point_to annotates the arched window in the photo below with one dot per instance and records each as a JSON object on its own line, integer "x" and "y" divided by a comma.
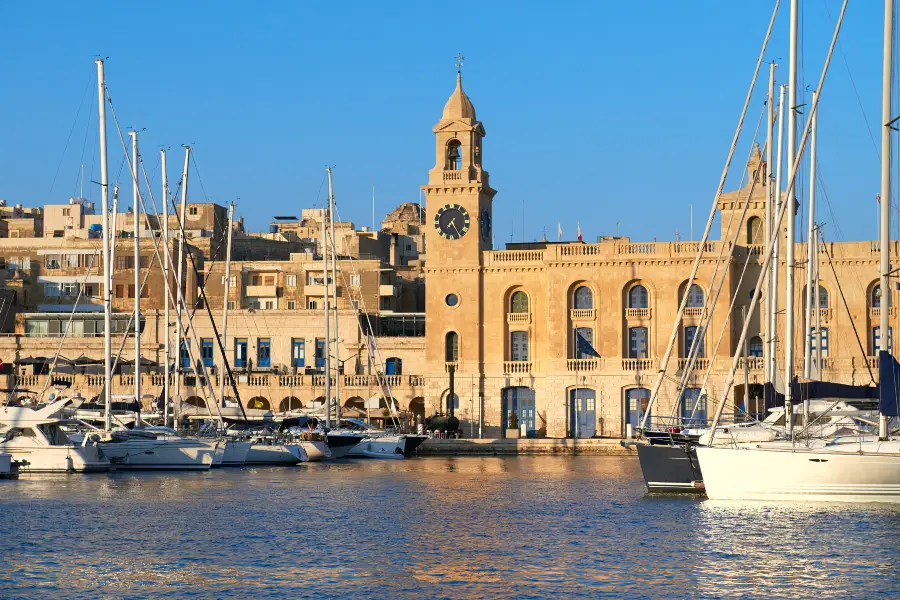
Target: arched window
{"x": 823, "y": 297}
{"x": 753, "y": 236}
{"x": 393, "y": 366}
{"x": 451, "y": 347}
{"x": 695, "y": 297}
{"x": 454, "y": 155}
{"x": 584, "y": 297}
{"x": 756, "y": 346}
{"x": 519, "y": 302}
{"x": 876, "y": 297}
{"x": 638, "y": 298}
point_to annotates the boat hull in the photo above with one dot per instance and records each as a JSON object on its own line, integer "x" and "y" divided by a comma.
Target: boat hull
{"x": 276, "y": 454}
{"x": 670, "y": 468}
{"x": 59, "y": 459}
{"x": 218, "y": 453}
{"x": 317, "y": 451}
{"x": 235, "y": 453}
{"x": 139, "y": 454}
{"x": 341, "y": 444}
{"x": 829, "y": 475}
{"x": 388, "y": 446}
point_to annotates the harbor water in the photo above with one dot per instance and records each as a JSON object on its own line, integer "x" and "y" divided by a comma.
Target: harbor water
{"x": 525, "y": 527}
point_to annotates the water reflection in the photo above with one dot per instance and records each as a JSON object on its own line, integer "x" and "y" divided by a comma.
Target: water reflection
{"x": 458, "y": 527}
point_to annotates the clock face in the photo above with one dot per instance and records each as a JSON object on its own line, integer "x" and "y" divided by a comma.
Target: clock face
{"x": 451, "y": 221}
{"x": 485, "y": 226}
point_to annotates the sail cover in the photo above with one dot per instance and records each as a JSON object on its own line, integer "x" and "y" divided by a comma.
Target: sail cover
{"x": 889, "y": 376}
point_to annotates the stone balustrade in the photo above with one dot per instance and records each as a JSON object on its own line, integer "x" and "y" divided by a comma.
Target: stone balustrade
{"x": 515, "y": 367}
{"x": 582, "y": 314}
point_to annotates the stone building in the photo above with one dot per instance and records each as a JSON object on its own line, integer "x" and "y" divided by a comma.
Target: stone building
{"x": 512, "y": 324}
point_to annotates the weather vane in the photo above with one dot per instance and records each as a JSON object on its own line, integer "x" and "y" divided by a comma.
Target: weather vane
{"x": 459, "y": 62}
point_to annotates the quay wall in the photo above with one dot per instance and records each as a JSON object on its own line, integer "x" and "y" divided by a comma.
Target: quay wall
{"x": 532, "y": 446}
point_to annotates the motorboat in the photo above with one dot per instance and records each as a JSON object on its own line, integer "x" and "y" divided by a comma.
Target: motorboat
{"x": 37, "y": 437}
{"x": 379, "y": 443}
{"x": 155, "y": 447}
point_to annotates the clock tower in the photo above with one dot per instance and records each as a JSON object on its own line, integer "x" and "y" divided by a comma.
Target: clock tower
{"x": 458, "y": 206}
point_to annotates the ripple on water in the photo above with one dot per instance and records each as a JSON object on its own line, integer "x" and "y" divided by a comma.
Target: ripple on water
{"x": 528, "y": 527}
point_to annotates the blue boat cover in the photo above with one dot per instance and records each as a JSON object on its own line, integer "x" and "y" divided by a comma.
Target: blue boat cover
{"x": 889, "y": 376}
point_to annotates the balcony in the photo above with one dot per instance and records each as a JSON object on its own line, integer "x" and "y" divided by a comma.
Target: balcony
{"x": 637, "y": 364}
{"x": 261, "y": 291}
{"x": 754, "y": 364}
{"x": 637, "y": 313}
{"x": 875, "y": 312}
{"x": 582, "y": 314}
{"x": 579, "y": 365}
{"x": 516, "y": 367}
{"x": 700, "y": 364}
{"x": 453, "y": 176}
{"x": 693, "y": 311}
{"x": 385, "y": 290}
{"x": 314, "y": 289}
{"x": 518, "y": 318}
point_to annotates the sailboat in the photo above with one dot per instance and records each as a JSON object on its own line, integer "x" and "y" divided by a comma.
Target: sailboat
{"x": 859, "y": 468}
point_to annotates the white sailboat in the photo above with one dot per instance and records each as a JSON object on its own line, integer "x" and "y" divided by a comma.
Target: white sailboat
{"x": 848, "y": 468}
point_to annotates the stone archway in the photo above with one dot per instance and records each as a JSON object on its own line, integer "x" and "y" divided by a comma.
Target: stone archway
{"x": 196, "y": 401}
{"x": 259, "y": 403}
{"x": 290, "y": 403}
{"x": 356, "y": 403}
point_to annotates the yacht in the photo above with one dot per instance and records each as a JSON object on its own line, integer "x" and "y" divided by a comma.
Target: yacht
{"x": 37, "y": 437}
{"x": 266, "y": 449}
{"x": 155, "y": 447}
{"x": 379, "y": 443}
{"x": 341, "y": 442}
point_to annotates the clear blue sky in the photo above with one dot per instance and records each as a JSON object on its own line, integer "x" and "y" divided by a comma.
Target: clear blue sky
{"x": 598, "y": 112}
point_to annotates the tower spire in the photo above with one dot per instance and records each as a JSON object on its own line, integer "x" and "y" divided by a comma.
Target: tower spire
{"x": 459, "y": 63}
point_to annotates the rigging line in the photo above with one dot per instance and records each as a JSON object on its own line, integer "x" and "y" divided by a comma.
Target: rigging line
{"x": 197, "y": 168}
{"x": 69, "y": 137}
{"x": 853, "y": 85}
{"x": 849, "y": 314}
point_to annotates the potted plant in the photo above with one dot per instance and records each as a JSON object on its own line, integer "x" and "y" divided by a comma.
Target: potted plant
{"x": 512, "y": 428}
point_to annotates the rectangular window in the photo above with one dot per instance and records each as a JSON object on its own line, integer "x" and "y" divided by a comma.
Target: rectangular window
{"x": 231, "y": 304}
{"x": 131, "y": 290}
{"x": 120, "y": 290}
{"x": 269, "y": 280}
{"x": 693, "y": 408}
{"x": 193, "y": 211}
{"x": 298, "y": 352}
{"x": 263, "y": 352}
{"x": 185, "y": 354}
{"x": 145, "y": 290}
{"x": 269, "y": 305}
{"x": 354, "y": 280}
{"x": 637, "y": 342}
{"x": 311, "y": 304}
{"x": 815, "y": 342}
{"x": 51, "y": 290}
{"x": 292, "y": 281}
{"x": 876, "y": 340}
{"x": 145, "y": 262}
{"x": 240, "y": 353}
{"x": 588, "y": 334}
{"x": 320, "y": 353}
{"x": 518, "y": 346}
{"x": 52, "y": 261}
{"x": 66, "y": 212}
{"x": 291, "y": 304}
{"x": 25, "y": 263}
{"x": 206, "y": 351}
{"x": 70, "y": 260}
{"x": 69, "y": 290}
{"x": 88, "y": 291}
{"x": 690, "y": 333}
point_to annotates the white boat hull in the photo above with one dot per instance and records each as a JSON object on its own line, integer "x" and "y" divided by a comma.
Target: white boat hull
{"x": 833, "y": 474}
{"x": 235, "y": 453}
{"x": 387, "y": 446}
{"x": 316, "y": 450}
{"x": 140, "y": 454}
{"x": 58, "y": 459}
{"x": 276, "y": 454}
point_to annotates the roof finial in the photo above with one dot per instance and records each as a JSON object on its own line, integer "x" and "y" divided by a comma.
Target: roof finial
{"x": 459, "y": 62}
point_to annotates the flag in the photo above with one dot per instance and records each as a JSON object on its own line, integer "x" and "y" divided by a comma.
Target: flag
{"x": 579, "y": 233}
{"x": 583, "y": 347}
{"x": 558, "y": 231}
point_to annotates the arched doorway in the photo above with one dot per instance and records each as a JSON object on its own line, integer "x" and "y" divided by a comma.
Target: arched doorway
{"x": 290, "y": 403}
{"x": 417, "y": 408}
{"x": 519, "y": 400}
{"x": 196, "y": 401}
{"x": 637, "y": 400}
{"x": 355, "y": 403}
{"x": 582, "y": 413}
{"x": 259, "y": 403}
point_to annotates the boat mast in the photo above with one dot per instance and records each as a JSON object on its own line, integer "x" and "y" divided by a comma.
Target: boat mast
{"x": 137, "y": 271}
{"x": 337, "y": 343}
{"x": 107, "y": 271}
{"x": 227, "y": 287}
{"x": 327, "y": 310}
{"x": 165, "y": 228}
{"x": 885, "y": 249}
{"x": 179, "y": 275}
{"x": 791, "y": 214}
{"x": 812, "y": 287}
{"x": 770, "y": 139}
{"x": 776, "y": 250}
